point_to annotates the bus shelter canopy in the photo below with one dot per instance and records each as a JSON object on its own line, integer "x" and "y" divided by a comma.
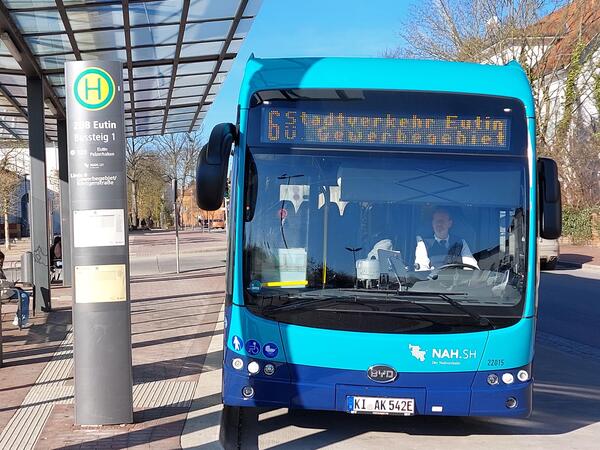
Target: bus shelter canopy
{"x": 175, "y": 54}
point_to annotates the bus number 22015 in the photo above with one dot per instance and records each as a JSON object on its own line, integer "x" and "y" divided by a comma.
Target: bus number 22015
{"x": 495, "y": 362}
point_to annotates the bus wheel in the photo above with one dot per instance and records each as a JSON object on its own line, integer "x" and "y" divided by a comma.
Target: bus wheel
{"x": 230, "y": 433}
{"x": 235, "y": 421}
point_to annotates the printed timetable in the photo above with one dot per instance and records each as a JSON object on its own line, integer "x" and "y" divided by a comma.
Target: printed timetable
{"x": 303, "y": 126}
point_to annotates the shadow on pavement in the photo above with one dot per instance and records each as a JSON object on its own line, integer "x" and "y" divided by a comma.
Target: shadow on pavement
{"x": 568, "y": 306}
{"x": 173, "y": 368}
{"x": 575, "y": 258}
{"x": 171, "y": 277}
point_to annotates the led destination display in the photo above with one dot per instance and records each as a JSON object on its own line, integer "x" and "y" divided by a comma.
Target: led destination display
{"x": 297, "y": 126}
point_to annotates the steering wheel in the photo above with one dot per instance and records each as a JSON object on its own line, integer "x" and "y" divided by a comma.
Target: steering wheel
{"x": 457, "y": 266}
{"x": 437, "y": 270}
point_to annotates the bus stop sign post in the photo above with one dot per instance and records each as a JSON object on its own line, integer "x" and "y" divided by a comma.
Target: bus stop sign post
{"x": 100, "y": 259}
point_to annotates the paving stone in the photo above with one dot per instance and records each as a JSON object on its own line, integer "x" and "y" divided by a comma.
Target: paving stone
{"x": 173, "y": 319}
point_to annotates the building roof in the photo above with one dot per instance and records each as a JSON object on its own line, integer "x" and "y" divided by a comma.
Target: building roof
{"x": 580, "y": 18}
{"x": 175, "y": 54}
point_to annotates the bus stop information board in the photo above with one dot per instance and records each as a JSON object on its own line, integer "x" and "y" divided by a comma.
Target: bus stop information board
{"x": 98, "y": 195}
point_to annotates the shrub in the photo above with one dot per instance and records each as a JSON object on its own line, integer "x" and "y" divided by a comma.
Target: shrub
{"x": 578, "y": 224}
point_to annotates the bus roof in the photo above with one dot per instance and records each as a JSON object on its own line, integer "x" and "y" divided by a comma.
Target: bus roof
{"x": 386, "y": 73}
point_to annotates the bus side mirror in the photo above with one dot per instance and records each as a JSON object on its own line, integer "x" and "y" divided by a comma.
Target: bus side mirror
{"x": 211, "y": 170}
{"x": 549, "y": 201}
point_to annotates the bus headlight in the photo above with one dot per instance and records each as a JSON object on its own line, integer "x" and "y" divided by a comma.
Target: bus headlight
{"x": 253, "y": 367}
{"x": 522, "y": 375}
{"x": 269, "y": 369}
{"x": 237, "y": 363}
{"x": 248, "y": 391}
{"x": 508, "y": 378}
{"x": 492, "y": 379}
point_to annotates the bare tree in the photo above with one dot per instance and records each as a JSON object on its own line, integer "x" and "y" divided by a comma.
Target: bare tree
{"x": 171, "y": 148}
{"x": 9, "y": 182}
{"x": 554, "y": 41}
{"x": 490, "y": 31}
{"x": 137, "y": 150}
{"x": 179, "y": 153}
{"x": 584, "y": 169}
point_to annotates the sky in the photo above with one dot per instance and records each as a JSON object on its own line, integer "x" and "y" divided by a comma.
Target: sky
{"x": 288, "y": 28}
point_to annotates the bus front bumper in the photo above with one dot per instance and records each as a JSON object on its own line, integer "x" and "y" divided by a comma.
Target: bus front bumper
{"x": 303, "y": 387}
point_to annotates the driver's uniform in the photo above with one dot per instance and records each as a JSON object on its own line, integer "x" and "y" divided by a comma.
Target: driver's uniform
{"x": 446, "y": 251}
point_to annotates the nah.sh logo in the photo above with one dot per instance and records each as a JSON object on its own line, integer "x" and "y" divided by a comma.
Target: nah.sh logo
{"x": 416, "y": 351}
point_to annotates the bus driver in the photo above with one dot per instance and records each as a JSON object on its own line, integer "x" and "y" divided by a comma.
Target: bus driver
{"x": 442, "y": 248}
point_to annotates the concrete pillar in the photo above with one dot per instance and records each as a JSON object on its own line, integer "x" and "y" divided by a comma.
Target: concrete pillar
{"x": 38, "y": 198}
{"x": 65, "y": 222}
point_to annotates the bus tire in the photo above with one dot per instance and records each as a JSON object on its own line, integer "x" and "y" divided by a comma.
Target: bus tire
{"x": 549, "y": 265}
{"x": 229, "y": 434}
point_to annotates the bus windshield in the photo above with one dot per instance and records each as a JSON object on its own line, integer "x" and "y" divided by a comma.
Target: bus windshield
{"x": 404, "y": 239}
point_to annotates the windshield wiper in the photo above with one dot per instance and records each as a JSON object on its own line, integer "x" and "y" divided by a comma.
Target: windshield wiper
{"x": 447, "y": 297}
{"x": 305, "y": 302}
{"x": 353, "y": 296}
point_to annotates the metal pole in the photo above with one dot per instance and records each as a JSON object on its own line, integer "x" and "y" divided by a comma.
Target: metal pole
{"x": 39, "y": 196}
{"x": 177, "y": 236}
{"x": 65, "y": 211}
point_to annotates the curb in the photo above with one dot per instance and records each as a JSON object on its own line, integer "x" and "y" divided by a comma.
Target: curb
{"x": 203, "y": 420}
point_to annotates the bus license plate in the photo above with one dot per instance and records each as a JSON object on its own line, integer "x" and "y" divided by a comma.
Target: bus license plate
{"x": 381, "y": 405}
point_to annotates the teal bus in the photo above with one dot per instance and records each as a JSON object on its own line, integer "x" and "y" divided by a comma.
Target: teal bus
{"x": 382, "y": 236}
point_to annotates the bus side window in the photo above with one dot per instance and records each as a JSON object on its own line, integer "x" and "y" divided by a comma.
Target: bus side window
{"x": 251, "y": 191}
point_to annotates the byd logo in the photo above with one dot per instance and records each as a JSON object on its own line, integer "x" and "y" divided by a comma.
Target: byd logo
{"x": 94, "y": 89}
{"x": 382, "y": 373}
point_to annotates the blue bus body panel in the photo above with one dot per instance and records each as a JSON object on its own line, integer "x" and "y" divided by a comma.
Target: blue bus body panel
{"x": 322, "y": 369}
{"x": 386, "y": 73}
{"x": 306, "y": 387}
{"x": 412, "y": 353}
{"x": 319, "y": 368}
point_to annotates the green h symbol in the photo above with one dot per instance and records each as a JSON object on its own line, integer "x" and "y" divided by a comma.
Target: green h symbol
{"x": 89, "y": 88}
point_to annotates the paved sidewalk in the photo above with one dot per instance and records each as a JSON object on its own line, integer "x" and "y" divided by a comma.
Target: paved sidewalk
{"x": 16, "y": 250}
{"x": 582, "y": 256}
{"x": 174, "y": 318}
{"x": 158, "y": 242}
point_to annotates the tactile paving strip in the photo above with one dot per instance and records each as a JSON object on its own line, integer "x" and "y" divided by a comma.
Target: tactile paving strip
{"x": 27, "y": 424}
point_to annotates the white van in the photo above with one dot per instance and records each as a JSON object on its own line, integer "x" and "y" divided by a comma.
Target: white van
{"x": 548, "y": 252}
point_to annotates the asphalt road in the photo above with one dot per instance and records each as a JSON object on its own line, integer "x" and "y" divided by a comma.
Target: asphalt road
{"x": 569, "y": 305}
{"x": 566, "y": 397}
